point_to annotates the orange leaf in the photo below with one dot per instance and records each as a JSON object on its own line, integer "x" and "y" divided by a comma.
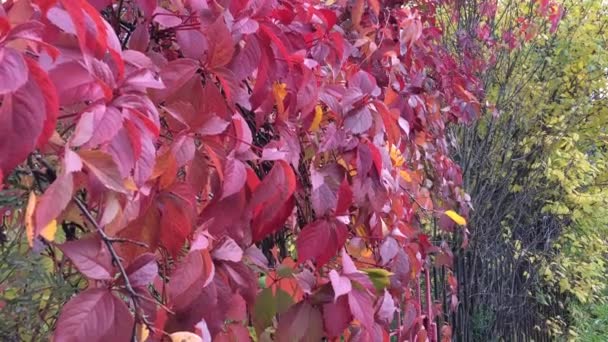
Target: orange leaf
{"x": 29, "y": 218}
{"x": 357, "y": 13}
{"x": 279, "y": 90}
{"x": 375, "y": 6}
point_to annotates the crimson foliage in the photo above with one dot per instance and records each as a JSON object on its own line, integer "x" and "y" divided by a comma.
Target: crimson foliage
{"x": 182, "y": 133}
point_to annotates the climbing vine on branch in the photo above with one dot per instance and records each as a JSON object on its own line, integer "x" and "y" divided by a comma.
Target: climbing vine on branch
{"x": 240, "y": 168}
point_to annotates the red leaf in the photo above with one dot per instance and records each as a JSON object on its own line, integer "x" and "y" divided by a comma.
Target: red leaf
{"x": 91, "y": 42}
{"x": 270, "y": 33}
{"x": 94, "y": 315}
{"x": 389, "y": 118}
{"x": 272, "y": 201}
{"x": 302, "y": 322}
{"x": 53, "y": 201}
{"x": 134, "y": 136}
{"x": 345, "y": 197}
{"x": 176, "y": 219}
{"x": 90, "y": 256}
{"x": 221, "y": 44}
{"x": 235, "y": 332}
{"x": 174, "y": 75}
{"x": 238, "y": 308}
{"x": 192, "y": 274}
{"x": 320, "y": 241}
{"x": 336, "y": 316}
{"x": 51, "y": 101}
{"x": 104, "y": 168}
{"x": 22, "y": 118}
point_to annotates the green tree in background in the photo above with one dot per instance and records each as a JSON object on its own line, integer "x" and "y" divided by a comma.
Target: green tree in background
{"x": 536, "y": 169}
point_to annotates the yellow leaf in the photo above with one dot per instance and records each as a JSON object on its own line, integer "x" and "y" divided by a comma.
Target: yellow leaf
{"x": 316, "y": 121}
{"x": 351, "y": 170}
{"x": 456, "y": 218}
{"x": 367, "y": 253}
{"x": 396, "y": 156}
{"x": 360, "y": 230}
{"x": 357, "y": 248}
{"x": 405, "y": 175}
{"x": 49, "y": 231}
{"x": 29, "y": 219}
{"x": 185, "y": 336}
{"x": 142, "y": 332}
{"x": 129, "y": 183}
{"x": 279, "y": 90}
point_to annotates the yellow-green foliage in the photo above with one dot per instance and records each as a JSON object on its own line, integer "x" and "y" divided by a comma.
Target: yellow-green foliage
{"x": 556, "y": 89}
{"x": 567, "y": 102}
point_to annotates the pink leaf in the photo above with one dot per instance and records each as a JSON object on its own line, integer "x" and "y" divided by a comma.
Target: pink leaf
{"x": 192, "y": 43}
{"x": 166, "y": 18}
{"x": 90, "y": 256}
{"x": 147, "y": 6}
{"x": 140, "y": 38}
{"x": 228, "y": 251}
{"x": 306, "y": 279}
{"x": 13, "y": 70}
{"x": 235, "y": 175}
{"x": 94, "y": 315}
{"x": 388, "y": 249}
{"x": 359, "y": 120}
{"x": 348, "y": 266}
{"x": 203, "y": 331}
{"x": 362, "y": 308}
{"x": 340, "y": 284}
{"x": 142, "y": 270}
{"x": 386, "y": 311}
{"x": 72, "y": 161}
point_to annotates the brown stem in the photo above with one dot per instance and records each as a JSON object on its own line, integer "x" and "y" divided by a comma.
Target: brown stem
{"x": 115, "y": 259}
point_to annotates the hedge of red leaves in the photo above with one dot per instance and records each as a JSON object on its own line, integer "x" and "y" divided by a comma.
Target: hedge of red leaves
{"x": 182, "y": 133}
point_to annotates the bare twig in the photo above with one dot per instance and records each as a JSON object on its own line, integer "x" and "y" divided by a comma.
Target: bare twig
{"x": 108, "y": 241}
